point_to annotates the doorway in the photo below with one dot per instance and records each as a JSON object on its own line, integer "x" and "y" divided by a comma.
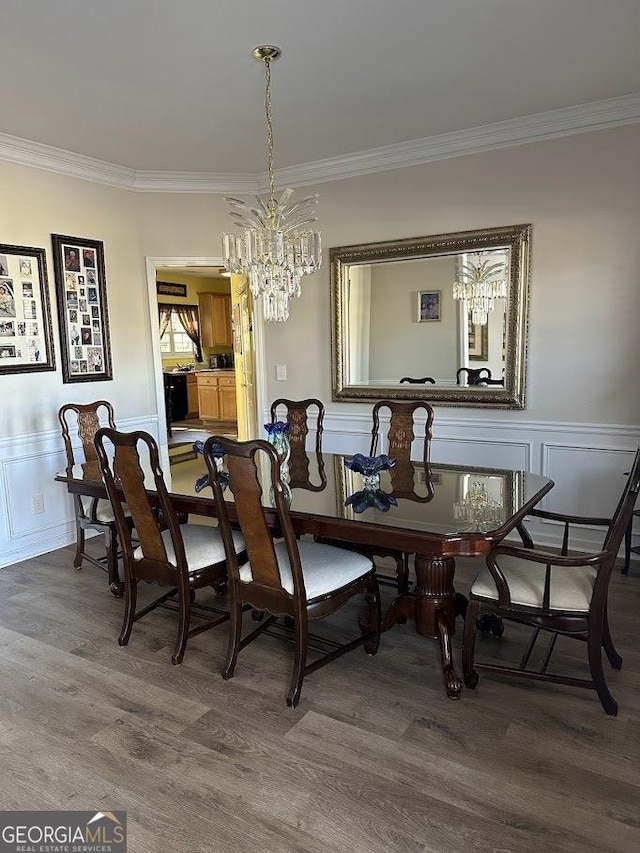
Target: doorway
{"x": 248, "y": 346}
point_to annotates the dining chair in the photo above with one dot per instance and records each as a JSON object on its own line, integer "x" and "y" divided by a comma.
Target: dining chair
{"x": 473, "y": 375}
{"x": 298, "y": 579}
{"x": 84, "y": 420}
{"x": 182, "y": 556}
{"x": 425, "y": 380}
{"x": 299, "y": 414}
{"x": 399, "y": 440}
{"x": 563, "y": 594}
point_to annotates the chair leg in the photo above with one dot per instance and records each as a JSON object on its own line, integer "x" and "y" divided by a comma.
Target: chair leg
{"x": 111, "y": 548}
{"x": 130, "y": 599}
{"x": 184, "y": 619}
{"x": 469, "y": 644}
{"x": 594, "y": 646}
{"x": 297, "y": 676}
{"x": 77, "y": 560}
{"x": 235, "y": 632}
{"x": 614, "y": 658}
{"x": 402, "y": 573}
{"x": 628, "y": 534}
{"x": 372, "y": 597}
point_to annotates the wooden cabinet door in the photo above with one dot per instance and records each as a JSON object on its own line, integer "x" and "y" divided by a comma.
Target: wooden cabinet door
{"x": 215, "y": 319}
{"x": 208, "y": 402}
{"x": 228, "y": 408}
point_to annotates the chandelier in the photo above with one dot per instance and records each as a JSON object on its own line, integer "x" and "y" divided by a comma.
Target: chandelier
{"x": 276, "y": 247}
{"x": 478, "y": 509}
{"x": 480, "y": 282}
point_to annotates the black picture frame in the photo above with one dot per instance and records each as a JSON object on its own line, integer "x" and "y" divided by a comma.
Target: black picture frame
{"x": 26, "y": 335}
{"x": 171, "y": 288}
{"x": 81, "y": 291}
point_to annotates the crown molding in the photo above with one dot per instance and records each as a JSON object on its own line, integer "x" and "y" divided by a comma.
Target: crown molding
{"x": 27, "y": 153}
{"x": 583, "y": 118}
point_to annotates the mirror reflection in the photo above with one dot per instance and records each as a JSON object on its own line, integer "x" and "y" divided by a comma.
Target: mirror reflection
{"x": 443, "y": 318}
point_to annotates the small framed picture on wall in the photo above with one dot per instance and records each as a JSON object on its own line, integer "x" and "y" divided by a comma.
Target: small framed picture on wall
{"x": 26, "y": 338}
{"x": 429, "y": 302}
{"x": 83, "y": 318}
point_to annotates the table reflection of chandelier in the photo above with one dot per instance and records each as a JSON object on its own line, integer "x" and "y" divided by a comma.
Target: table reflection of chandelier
{"x": 478, "y": 508}
{"x": 479, "y": 283}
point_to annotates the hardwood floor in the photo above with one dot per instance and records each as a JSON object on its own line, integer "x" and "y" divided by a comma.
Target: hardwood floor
{"x": 375, "y": 758}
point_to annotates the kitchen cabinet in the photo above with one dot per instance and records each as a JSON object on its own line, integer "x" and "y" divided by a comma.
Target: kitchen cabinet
{"x": 217, "y": 395}
{"x": 215, "y": 319}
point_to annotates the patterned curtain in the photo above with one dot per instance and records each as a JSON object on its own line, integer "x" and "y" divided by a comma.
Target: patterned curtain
{"x": 164, "y": 315}
{"x": 190, "y": 319}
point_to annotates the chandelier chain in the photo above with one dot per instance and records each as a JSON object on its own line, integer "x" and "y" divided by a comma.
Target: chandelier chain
{"x": 267, "y": 111}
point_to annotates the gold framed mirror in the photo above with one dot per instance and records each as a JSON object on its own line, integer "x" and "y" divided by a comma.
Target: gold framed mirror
{"x": 399, "y": 332}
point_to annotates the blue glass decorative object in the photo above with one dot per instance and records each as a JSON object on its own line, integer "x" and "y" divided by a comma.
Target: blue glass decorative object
{"x": 371, "y": 498}
{"x": 371, "y": 495}
{"x": 367, "y": 465}
{"x": 278, "y": 436}
{"x": 218, "y": 453}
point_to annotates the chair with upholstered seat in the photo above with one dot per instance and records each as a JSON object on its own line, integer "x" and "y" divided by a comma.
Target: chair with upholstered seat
{"x": 301, "y": 580}
{"x": 298, "y": 414}
{"x": 184, "y": 557}
{"x": 424, "y": 380}
{"x": 564, "y": 594}
{"x": 84, "y": 419}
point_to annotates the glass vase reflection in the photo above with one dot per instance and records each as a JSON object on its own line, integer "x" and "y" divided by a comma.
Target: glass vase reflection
{"x": 278, "y": 436}
{"x": 218, "y": 454}
{"x": 371, "y": 495}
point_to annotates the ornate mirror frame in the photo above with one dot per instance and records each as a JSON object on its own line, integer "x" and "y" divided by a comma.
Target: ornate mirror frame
{"x": 517, "y": 238}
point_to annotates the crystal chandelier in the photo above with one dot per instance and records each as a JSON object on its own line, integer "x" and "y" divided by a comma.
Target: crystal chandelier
{"x": 480, "y": 282}
{"x": 478, "y": 509}
{"x": 276, "y": 247}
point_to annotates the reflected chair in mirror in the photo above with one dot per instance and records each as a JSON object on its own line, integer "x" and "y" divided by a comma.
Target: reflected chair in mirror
{"x": 476, "y": 376}
{"x": 563, "y": 594}
{"x": 298, "y": 414}
{"x": 298, "y": 579}
{"x": 399, "y": 440}
{"x": 183, "y": 557}
{"x": 94, "y": 514}
{"x": 425, "y": 380}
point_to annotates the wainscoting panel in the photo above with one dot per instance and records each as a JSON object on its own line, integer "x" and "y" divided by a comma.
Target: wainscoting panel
{"x": 28, "y": 465}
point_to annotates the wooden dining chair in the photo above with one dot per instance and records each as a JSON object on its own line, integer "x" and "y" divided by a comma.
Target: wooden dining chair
{"x": 424, "y": 380}
{"x": 300, "y": 414}
{"x": 301, "y": 580}
{"x": 399, "y": 440}
{"x": 183, "y": 557}
{"x": 83, "y": 420}
{"x": 563, "y": 594}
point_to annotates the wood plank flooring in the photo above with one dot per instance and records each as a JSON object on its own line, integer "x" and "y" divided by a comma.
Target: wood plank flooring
{"x": 374, "y": 760}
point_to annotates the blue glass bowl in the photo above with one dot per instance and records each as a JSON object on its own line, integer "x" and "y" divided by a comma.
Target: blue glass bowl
{"x": 368, "y": 465}
{"x": 371, "y": 498}
{"x": 204, "y": 481}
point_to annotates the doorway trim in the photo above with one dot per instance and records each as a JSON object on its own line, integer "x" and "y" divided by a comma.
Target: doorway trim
{"x": 152, "y": 263}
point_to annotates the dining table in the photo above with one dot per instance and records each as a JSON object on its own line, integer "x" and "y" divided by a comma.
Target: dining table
{"x": 437, "y": 512}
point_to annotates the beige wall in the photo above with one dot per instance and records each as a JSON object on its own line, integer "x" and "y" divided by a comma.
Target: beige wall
{"x": 581, "y": 193}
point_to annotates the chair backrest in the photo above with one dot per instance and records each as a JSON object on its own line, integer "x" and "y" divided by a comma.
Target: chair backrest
{"x": 401, "y": 428}
{"x": 244, "y": 461}
{"x": 126, "y": 479}
{"x": 474, "y": 375}
{"x": 297, "y": 416}
{"x": 624, "y": 510}
{"x": 423, "y": 381}
{"x": 85, "y": 419}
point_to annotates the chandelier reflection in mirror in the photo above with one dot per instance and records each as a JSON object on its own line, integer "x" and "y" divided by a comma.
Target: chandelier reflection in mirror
{"x": 480, "y": 280}
{"x": 478, "y": 508}
{"x": 277, "y": 247}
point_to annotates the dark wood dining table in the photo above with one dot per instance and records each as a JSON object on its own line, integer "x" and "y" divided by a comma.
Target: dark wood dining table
{"x": 442, "y": 512}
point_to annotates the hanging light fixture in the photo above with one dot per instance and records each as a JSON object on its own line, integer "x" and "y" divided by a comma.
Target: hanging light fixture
{"x": 477, "y": 509}
{"x": 480, "y": 282}
{"x": 276, "y": 247}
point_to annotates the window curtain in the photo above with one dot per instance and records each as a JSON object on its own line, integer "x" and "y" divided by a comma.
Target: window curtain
{"x": 189, "y": 319}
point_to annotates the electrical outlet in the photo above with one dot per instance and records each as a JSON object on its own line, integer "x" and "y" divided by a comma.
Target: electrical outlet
{"x": 281, "y": 371}
{"x": 37, "y": 504}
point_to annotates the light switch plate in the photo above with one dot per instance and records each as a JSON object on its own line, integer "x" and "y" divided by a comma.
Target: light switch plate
{"x": 281, "y": 371}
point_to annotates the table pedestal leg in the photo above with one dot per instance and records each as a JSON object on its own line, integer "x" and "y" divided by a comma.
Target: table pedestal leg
{"x": 433, "y": 608}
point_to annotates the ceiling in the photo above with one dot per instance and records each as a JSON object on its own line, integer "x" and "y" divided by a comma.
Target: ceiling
{"x": 168, "y": 86}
